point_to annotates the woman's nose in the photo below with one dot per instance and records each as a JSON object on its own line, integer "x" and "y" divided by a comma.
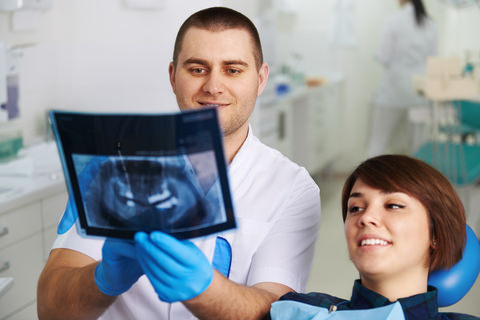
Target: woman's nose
{"x": 370, "y": 217}
{"x": 214, "y": 84}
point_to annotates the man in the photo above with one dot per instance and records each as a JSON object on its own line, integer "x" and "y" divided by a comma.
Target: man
{"x": 237, "y": 274}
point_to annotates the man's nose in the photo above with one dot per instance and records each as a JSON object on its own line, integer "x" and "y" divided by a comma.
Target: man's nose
{"x": 214, "y": 84}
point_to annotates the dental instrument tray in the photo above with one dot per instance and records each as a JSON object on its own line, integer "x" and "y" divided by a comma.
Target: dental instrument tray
{"x": 145, "y": 172}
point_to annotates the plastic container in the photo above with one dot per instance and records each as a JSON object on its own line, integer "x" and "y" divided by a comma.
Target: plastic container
{"x": 11, "y": 139}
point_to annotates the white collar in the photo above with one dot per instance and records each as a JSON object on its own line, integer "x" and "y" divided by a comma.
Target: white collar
{"x": 243, "y": 149}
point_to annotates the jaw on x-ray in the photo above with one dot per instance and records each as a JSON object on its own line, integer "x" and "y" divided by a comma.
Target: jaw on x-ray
{"x": 149, "y": 193}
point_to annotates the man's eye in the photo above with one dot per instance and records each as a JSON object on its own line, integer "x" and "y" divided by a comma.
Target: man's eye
{"x": 233, "y": 71}
{"x": 197, "y": 70}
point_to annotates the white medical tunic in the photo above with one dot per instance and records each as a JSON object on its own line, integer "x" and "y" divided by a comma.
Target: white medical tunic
{"x": 277, "y": 209}
{"x": 403, "y": 52}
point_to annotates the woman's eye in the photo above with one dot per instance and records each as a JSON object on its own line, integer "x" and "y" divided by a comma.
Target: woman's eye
{"x": 354, "y": 209}
{"x": 395, "y": 206}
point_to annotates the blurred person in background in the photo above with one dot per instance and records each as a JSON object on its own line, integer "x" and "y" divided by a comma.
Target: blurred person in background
{"x": 408, "y": 39}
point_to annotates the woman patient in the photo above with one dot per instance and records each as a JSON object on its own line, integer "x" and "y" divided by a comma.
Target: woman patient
{"x": 402, "y": 220}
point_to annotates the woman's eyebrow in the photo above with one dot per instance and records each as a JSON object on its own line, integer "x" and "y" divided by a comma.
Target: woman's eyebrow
{"x": 355, "y": 195}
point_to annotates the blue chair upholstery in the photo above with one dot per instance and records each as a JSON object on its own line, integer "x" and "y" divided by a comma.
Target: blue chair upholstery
{"x": 468, "y": 118}
{"x": 453, "y": 284}
{"x": 469, "y": 113}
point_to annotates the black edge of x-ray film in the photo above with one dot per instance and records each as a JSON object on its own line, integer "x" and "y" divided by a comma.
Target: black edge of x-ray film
{"x": 145, "y": 172}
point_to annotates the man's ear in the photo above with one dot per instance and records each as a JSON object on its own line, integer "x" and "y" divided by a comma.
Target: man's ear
{"x": 262, "y": 77}
{"x": 171, "y": 72}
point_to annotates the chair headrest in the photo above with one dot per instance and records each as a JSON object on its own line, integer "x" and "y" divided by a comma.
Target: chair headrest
{"x": 454, "y": 283}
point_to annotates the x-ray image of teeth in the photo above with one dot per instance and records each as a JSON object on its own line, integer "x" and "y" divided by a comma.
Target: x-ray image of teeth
{"x": 153, "y": 193}
{"x": 143, "y": 172}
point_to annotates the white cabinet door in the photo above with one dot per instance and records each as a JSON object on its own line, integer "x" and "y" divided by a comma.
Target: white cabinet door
{"x": 315, "y": 125}
{"x": 20, "y": 223}
{"x": 28, "y": 313}
{"x": 301, "y": 138}
{"x": 272, "y": 124}
{"x": 304, "y": 125}
{"x": 53, "y": 208}
{"x": 25, "y": 262}
{"x": 324, "y": 126}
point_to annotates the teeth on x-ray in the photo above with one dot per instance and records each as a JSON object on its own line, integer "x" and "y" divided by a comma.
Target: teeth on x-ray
{"x": 161, "y": 193}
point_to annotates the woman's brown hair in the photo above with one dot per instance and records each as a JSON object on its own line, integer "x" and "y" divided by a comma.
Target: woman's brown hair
{"x": 399, "y": 173}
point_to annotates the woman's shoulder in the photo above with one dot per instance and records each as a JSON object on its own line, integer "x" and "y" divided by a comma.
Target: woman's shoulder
{"x": 313, "y": 298}
{"x": 458, "y": 316}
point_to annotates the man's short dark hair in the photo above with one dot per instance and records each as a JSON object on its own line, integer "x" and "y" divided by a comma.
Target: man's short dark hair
{"x": 219, "y": 19}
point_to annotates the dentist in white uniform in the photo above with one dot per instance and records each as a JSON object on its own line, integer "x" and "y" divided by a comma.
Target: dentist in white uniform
{"x": 409, "y": 37}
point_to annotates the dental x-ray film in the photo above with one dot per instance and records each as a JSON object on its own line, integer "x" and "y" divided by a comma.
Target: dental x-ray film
{"x": 132, "y": 172}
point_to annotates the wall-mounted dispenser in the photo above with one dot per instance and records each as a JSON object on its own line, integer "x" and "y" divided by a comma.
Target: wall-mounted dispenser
{"x": 3, "y": 73}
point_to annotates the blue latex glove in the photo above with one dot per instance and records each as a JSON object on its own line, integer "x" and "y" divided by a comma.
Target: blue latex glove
{"x": 119, "y": 268}
{"x": 178, "y": 270}
{"x": 85, "y": 178}
{"x": 68, "y": 219}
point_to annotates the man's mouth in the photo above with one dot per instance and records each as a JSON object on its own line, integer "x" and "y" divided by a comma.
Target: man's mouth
{"x": 213, "y": 104}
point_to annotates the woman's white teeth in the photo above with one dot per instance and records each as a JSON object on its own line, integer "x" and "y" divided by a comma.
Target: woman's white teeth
{"x": 373, "y": 242}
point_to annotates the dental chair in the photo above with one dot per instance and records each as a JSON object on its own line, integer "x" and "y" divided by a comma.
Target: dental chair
{"x": 457, "y": 155}
{"x": 468, "y": 115}
{"x": 453, "y": 284}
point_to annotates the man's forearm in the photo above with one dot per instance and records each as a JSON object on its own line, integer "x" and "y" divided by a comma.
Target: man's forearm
{"x": 70, "y": 293}
{"x": 226, "y": 300}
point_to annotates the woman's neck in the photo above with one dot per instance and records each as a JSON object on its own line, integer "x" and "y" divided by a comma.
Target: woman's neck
{"x": 398, "y": 286}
